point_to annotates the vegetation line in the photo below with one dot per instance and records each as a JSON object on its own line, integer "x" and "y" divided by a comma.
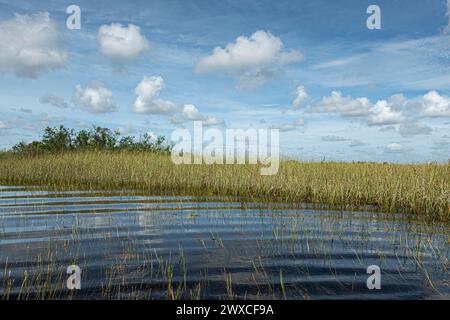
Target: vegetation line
{"x": 417, "y": 189}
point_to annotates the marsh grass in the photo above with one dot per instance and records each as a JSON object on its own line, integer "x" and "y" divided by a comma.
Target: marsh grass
{"x": 418, "y": 189}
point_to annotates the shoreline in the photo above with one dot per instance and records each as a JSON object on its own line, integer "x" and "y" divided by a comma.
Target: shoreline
{"x": 419, "y": 189}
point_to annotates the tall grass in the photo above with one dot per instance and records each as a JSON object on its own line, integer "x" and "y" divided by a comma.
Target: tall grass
{"x": 418, "y": 189}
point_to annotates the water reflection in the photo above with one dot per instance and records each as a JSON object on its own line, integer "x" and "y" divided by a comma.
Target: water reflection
{"x": 136, "y": 246}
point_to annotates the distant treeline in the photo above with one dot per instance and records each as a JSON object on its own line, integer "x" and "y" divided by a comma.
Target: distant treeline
{"x": 60, "y": 139}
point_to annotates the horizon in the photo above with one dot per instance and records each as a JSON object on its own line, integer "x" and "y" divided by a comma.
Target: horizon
{"x": 208, "y": 144}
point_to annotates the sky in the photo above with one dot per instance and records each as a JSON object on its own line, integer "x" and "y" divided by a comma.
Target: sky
{"x": 335, "y": 89}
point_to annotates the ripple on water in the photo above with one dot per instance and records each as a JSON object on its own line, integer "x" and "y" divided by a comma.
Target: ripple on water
{"x": 131, "y": 245}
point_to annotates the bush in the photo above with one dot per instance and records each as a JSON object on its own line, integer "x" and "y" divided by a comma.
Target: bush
{"x": 62, "y": 139}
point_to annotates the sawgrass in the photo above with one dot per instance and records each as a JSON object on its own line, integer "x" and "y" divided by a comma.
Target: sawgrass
{"x": 418, "y": 189}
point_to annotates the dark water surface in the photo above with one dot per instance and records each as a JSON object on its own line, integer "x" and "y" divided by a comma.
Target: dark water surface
{"x": 131, "y": 246}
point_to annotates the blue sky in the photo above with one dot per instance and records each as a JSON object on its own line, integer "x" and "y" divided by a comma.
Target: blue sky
{"x": 334, "y": 88}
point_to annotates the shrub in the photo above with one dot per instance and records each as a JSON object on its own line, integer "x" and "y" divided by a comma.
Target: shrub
{"x": 62, "y": 139}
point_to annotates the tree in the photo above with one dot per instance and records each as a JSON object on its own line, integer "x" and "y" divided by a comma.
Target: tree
{"x": 57, "y": 138}
{"x": 61, "y": 139}
{"x": 81, "y": 140}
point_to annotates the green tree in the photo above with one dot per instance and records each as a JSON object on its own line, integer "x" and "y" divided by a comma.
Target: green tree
{"x": 57, "y": 138}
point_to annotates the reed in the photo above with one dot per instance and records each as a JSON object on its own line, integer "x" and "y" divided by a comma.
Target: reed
{"x": 418, "y": 189}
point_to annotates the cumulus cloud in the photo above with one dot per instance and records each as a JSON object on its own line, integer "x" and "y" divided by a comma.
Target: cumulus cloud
{"x": 252, "y": 60}
{"x": 95, "y": 98}
{"x": 121, "y": 44}
{"x": 147, "y": 100}
{"x": 191, "y": 113}
{"x": 382, "y": 114}
{"x": 393, "y": 111}
{"x": 54, "y": 101}
{"x": 300, "y": 96}
{"x": 30, "y": 44}
{"x": 435, "y": 105}
{"x": 344, "y": 105}
{"x": 395, "y": 147}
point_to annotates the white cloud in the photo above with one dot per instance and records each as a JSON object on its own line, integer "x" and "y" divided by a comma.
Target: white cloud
{"x": 54, "y": 100}
{"x": 121, "y": 44}
{"x": 147, "y": 100}
{"x": 397, "y": 148}
{"x": 300, "y": 96}
{"x": 382, "y": 114}
{"x": 250, "y": 59}
{"x": 191, "y": 113}
{"x": 346, "y": 106}
{"x": 435, "y": 105}
{"x": 30, "y": 44}
{"x": 395, "y": 110}
{"x": 94, "y": 98}
{"x": 261, "y": 48}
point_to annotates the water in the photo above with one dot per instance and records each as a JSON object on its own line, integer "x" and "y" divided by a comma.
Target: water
{"x": 132, "y": 246}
